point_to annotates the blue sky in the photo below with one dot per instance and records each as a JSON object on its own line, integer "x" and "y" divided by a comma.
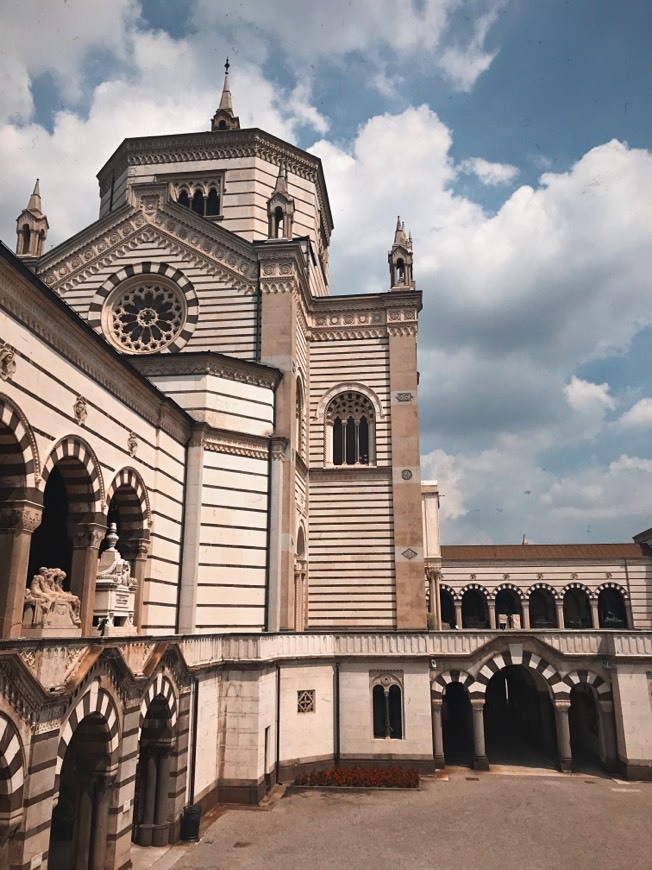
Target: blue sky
{"x": 513, "y": 138}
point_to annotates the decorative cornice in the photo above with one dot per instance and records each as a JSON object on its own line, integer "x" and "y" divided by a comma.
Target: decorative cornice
{"x": 356, "y": 473}
{"x": 222, "y": 441}
{"x": 344, "y": 334}
{"x": 404, "y": 329}
{"x": 207, "y": 363}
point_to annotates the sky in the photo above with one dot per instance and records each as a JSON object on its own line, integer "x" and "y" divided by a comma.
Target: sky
{"x": 514, "y": 139}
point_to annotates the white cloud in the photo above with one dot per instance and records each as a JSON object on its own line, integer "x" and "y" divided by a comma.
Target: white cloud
{"x": 487, "y": 172}
{"x": 464, "y": 64}
{"x": 639, "y": 415}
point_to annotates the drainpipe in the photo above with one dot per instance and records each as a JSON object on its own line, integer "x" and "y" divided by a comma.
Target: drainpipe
{"x": 278, "y": 721}
{"x": 193, "y": 739}
{"x": 182, "y": 530}
{"x": 336, "y": 714}
{"x": 268, "y": 536}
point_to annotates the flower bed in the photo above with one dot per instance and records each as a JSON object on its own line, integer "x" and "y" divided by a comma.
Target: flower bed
{"x": 358, "y": 777}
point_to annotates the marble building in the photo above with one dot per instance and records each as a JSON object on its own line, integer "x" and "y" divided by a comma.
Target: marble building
{"x": 220, "y": 565}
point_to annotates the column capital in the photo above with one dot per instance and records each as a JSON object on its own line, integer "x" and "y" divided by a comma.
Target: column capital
{"x": 438, "y": 703}
{"x": 562, "y": 706}
{"x": 20, "y": 517}
{"x": 477, "y": 703}
{"x": 87, "y": 535}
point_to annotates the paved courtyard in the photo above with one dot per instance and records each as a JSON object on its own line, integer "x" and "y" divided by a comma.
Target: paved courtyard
{"x": 534, "y": 821}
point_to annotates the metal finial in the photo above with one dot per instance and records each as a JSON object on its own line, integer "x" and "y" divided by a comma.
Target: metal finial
{"x": 226, "y": 66}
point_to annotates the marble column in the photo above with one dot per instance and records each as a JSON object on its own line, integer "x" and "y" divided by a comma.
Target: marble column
{"x": 480, "y": 760}
{"x": 526, "y": 614}
{"x": 138, "y": 567}
{"x": 101, "y": 799}
{"x": 86, "y": 539}
{"x": 563, "y": 736}
{"x": 491, "y": 607}
{"x": 608, "y": 735}
{"x": 559, "y": 606}
{"x": 437, "y": 735}
{"x": 161, "y": 829}
{"x": 148, "y": 798}
{"x": 458, "y": 614}
{"x": 595, "y": 617}
{"x": 17, "y": 522}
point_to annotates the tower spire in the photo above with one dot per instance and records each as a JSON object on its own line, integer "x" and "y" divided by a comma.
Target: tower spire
{"x": 400, "y": 259}
{"x": 31, "y": 227}
{"x": 224, "y": 119}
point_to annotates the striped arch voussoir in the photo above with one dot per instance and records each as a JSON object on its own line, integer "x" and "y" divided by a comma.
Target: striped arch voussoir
{"x": 576, "y": 585}
{"x": 94, "y": 700}
{"x": 173, "y": 274}
{"x": 442, "y": 681}
{"x": 160, "y": 685}
{"x": 615, "y": 586}
{"x": 455, "y": 595}
{"x": 14, "y": 419}
{"x": 543, "y": 587}
{"x": 129, "y": 477}
{"x": 474, "y": 587}
{"x": 508, "y": 587}
{"x": 526, "y": 658}
{"x": 602, "y": 687}
{"x": 12, "y": 770}
{"x": 72, "y": 447}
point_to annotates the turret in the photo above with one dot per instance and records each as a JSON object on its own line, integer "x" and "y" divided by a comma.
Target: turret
{"x": 31, "y": 228}
{"x": 280, "y": 208}
{"x": 224, "y": 119}
{"x": 400, "y": 260}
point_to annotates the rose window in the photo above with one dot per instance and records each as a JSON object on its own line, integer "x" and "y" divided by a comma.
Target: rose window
{"x": 146, "y": 317}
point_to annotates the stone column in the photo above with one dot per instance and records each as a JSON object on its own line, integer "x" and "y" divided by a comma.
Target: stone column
{"x": 17, "y": 522}
{"x": 491, "y": 607}
{"x": 525, "y": 609}
{"x": 563, "y": 736}
{"x": 595, "y": 617}
{"x": 83, "y": 827}
{"x": 608, "y": 735}
{"x": 138, "y": 567}
{"x": 629, "y": 613}
{"x": 101, "y": 799}
{"x": 437, "y": 735}
{"x": 192, "y": 531}
{"x": 559, "y": 605}
{"x": 86, "y": 542}
{"x": 279, "y": 451}
{"x": 148, "y": 797}
{"x": 458, "y": 614}
{"x": 480, "y": 760}
{"x": 160, "y": 831}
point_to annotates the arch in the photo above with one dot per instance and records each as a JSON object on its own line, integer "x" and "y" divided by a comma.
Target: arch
{"x": 616, "y": 586}
{"x": 348, "y": 387}
{"x": 528, "y": 659}
{"x": 580, "y": 586}
{"x": 577, "y": 606}
{"x": 350, "y": 430}
{"x": 601, "y": 687}
{"x": 447, "y": 608}
{"x": 613, "y": 609}
{"x": 442, "y": 681}
{"x": 130, "y": 478}
{"x": 71, "y": 447}
{"x": 94, "y": 700}
{"x": 544, "y": 587}
{"x": 160, "y": 685}
{"x": 183, "y": 197}
{"x": 12, "y": 772}
{"x": 476, "y": 620}
{"x": 542, "y": 600}
{"x": 13, "y": 418}
{"x": 455, "y": 595}
{"x": 149, "y": 268}
{"x": 301, "y": 542}
{"x": 507, "y": 587}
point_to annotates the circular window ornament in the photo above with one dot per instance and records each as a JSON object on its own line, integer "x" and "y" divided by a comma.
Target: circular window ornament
{"x": 144, "y": 316}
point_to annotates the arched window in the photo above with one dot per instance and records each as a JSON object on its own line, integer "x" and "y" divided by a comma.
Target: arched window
{"x": 183, "y": 199}
{"x": 400, "y": 271}
{"x": 212, "y": 203}
{"x": 300, "y": 420}
{"x": 26, "y": 238}
{"x": 198, "y": 202}
{"x": 350, "y": 430}
{"x": 278, "y": 222}
{"x": 387, "y": 705}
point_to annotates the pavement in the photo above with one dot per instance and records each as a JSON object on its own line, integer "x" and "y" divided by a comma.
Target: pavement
{"x": 505, "y": 819}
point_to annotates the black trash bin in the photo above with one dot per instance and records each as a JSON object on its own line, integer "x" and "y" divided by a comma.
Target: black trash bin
{"x": 190, "y": 823}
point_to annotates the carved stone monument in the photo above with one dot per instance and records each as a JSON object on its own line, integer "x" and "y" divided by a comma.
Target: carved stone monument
{"x": 50, "y": 611}
{"x": 115, "y": 591}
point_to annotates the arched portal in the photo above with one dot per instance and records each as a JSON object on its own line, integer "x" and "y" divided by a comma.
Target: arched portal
{"x": 519, "y": 719}
{"x": 611, "y": 608}
{"x": 80, "y": 817}
{"x": 475, "y": 611}
{"x": 153, "y": 772}
{"x": 447, "y": 609}
{"x": 457, "y": 725}
{"x": 543, "y": 611}
{"x": 12, "y": 775}
{"x": 577, "y": 608}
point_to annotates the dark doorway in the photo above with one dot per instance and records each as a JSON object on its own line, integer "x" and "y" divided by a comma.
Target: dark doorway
{"x": 153, "y": 776}
{"x": 508, "y": 609}
{"x": 519, "y": 719}
{"x": 457, "y": 725}
{"x": 611, "y": 609}
{"x": 577, "y": 609}
{"x": 543, "y": 612}
{"x": 51, "y": 545}
{"x": 475, "y": 613}
{"x": 447, "y": 606}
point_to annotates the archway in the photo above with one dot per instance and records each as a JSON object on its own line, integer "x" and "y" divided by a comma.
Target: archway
{"x": 519, "y": 719}
{"x": 12, "y": 774}
{"x": 475, "y": 611}
{"x": 447, "y": 609}
{"x": 457, "y": 725}
{"x": 508, "y": 609}
{"x": 584, "y": 723}
{"x": 577, "y": 608}
{"x": 543, "y": 611}
{"x": 612, "y": 612}
{"x": 151, "y": 825}
{"x": 79, "y": 826}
